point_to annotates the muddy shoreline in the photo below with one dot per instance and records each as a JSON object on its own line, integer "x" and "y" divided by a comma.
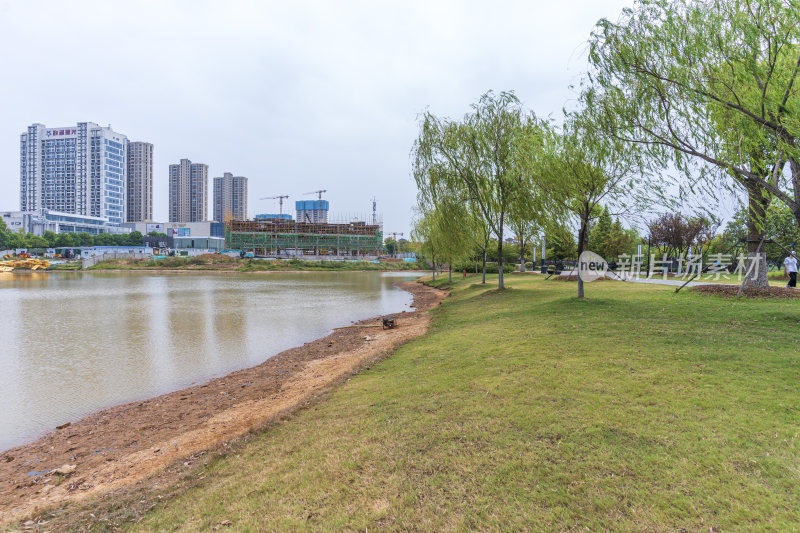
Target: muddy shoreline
{"x": 117, "y": 447}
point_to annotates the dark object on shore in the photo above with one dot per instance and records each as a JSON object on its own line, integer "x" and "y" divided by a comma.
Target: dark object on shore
{"x": 65, "y": 425}
{"x": 388, "y": 322}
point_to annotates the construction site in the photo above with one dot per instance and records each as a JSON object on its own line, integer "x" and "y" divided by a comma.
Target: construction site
{"x": 287, "y": 238}
{"x": 310, "y": 236}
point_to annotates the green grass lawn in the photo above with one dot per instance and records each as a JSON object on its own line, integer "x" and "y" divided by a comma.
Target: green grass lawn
{"x": 634, "y": 409}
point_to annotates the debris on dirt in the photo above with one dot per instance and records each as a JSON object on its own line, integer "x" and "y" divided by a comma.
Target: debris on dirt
{"x": 65, "y": 470}
{"x": 731, "y": 291}
{"x": 66, "y": 425}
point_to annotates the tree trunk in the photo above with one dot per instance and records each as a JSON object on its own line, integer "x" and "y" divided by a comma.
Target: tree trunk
{"x": 581, "y": 248}
{"x": 758, "y": 201}
{"x": 450, "y": 273}
{"x": 521, "y": 255}
{"x": 500, "y": 263}
{"x": 500, "y": 284}
{"x": 484, "y": 267}
{"x": 434, "y": 269}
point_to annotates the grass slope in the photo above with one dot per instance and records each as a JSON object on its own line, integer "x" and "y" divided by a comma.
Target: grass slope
{"x": 634, "y": 409}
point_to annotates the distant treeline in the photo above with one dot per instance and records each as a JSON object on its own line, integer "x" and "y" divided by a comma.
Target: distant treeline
{"x": 11, "y": 240}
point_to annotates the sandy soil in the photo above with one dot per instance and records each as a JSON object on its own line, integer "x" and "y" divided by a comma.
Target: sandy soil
{"x": 125, "y": 444}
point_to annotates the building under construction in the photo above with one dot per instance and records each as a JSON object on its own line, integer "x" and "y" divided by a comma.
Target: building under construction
{"x": 276, "y": 237}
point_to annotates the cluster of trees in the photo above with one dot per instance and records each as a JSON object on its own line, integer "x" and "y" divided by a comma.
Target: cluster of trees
{"x": 399, "y": 246}
{"x": 502, "y": 171}
{"x": 674, "y": 235}
{"x": 680, "y": 96}
{"x": 12, "y": 240}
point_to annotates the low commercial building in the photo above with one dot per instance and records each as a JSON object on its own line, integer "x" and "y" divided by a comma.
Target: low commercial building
{"x": 37, "y": 222}
{"x": 201, "y": 244}
{"x": 210, "y": 244}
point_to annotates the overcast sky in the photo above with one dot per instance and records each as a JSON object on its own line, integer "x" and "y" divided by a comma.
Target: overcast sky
{"x": 295, "y": 95}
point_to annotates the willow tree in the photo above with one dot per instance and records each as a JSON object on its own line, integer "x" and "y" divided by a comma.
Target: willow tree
{"x": 434, "y": 230}
{"x": 583, "y": 170}
{"x": 532, "y": 207}
{"x": 710, "y": 87}
{"x": 477, "y": 160}
{"x": 459, "y": 221}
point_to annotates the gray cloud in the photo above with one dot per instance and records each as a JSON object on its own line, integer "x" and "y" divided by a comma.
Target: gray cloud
{"x": 294, "y": 95}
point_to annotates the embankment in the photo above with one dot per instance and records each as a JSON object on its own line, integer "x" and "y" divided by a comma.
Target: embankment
{"x": 119, "y": 446}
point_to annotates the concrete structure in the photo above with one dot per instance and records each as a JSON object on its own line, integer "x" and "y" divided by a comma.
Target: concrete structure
{"x": 206, "y": 228}
{"x": 37, "y": 222}
{"x": 312, "y": 211}
{"x": 78, "y": 169}
{"x": 206, "y": 244}
{"x": 188, "y": 192}
{"x": 91, "y": 260}
{"x": 230, "y": 198}
{"x": 140, "y": 182}
{"x": 158, "y": 243}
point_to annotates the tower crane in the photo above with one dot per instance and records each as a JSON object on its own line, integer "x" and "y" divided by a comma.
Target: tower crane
{"x": 318, "y": 193}
{"x": 280, "y": 201}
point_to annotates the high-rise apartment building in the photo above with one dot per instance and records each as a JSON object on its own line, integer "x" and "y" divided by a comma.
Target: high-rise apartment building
{"x": 188, "y": 192}
{"x": 79, "y": 169}
{"x": 230, "y": 198}
{"x": 140, "y": 182}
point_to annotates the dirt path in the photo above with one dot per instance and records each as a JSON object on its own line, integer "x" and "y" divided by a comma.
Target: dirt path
{"x": 119, "y": 446}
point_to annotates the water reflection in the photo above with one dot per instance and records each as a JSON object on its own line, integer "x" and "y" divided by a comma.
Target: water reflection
{"x": 73, "y": 343}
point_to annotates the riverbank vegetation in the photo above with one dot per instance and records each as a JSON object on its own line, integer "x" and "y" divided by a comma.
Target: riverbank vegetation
{"x": 528, "y": 409}
{"x": 220, "y": 262}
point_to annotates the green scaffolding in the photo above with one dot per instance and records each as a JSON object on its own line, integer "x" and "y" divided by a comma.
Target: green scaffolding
{"x": 273, "y": 237}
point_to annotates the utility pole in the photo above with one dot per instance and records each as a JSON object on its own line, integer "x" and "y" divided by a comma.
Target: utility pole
{"x": 280, "y": 201}
{"x": 544, "y": 267}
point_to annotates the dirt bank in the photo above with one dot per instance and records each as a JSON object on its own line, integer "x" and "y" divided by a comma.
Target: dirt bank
{"x": 732, "y": 291}
{"x": 125, "y": 444}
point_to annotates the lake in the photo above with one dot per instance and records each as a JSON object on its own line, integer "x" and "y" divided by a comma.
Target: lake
{"x": 75, "y": 343}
